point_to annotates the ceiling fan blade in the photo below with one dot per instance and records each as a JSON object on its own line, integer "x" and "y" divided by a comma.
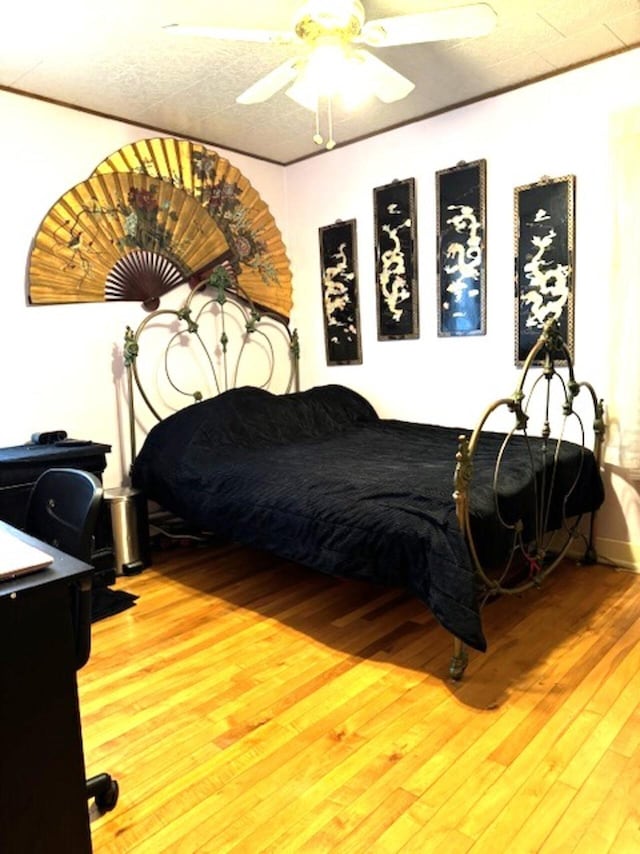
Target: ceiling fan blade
{"x": 231, "y": 34}
{"x": 462, "y": 22}
{"x": 271, "y": 83}
{"x": 386, "y": 83}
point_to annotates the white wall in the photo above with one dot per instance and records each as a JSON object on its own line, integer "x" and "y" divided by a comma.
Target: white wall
{"x": 556, "y": 127}
{"x": 61, "y": 364}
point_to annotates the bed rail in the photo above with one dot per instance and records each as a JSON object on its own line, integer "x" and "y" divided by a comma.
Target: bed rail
{"x": 531, "y": 558}
{"x": 233, "y": 340}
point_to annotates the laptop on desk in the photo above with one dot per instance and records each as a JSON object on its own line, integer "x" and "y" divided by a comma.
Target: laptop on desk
{"x": 20, "y": 558}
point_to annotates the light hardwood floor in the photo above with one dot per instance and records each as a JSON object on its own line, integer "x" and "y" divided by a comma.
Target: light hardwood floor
{"x": 247, "y": 704}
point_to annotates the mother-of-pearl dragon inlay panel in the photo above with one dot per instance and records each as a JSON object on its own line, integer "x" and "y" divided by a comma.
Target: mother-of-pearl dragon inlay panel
{"x": 340, "y": 293}
{"x": 460, "y": 193}
{"x": 544, "y": 229}
{"x": 396, "y": 260}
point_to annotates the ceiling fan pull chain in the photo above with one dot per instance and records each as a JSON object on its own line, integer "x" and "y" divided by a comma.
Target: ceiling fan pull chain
{"x": 331, "y": 143}
{"x": 317, "y": 137}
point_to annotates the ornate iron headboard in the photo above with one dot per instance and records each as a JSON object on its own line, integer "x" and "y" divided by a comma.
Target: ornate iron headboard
{"x": 238, "y": 330}
{"x": 539, "y": 554}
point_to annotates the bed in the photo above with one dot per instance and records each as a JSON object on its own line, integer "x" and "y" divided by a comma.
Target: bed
{"x": 454, "y": 516}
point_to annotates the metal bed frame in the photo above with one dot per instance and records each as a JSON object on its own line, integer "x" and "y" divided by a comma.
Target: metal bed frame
{"x": 231, "y": 308}
{"x": 542, "y": 554}
{"x": 220, "y": 296}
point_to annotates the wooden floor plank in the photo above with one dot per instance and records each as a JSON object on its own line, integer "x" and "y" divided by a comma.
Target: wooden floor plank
{"x": 247, "y": 704}
{"x": 362, "y": 725}
{"x": 548, "y": 810}
{"x": 561, "y": 710}
{"x": 608, "y": 820}
{"x": 628, "y": 839}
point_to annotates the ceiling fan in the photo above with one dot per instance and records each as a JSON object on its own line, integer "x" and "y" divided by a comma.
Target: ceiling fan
{"x": 330, "y": 59}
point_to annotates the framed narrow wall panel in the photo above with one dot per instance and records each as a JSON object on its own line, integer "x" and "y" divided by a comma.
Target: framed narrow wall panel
{"x": 461, "y": 273}
{"x": 544, "y": 265}
{"x": 396, "y": 260}
{"x": 339, "y": 268}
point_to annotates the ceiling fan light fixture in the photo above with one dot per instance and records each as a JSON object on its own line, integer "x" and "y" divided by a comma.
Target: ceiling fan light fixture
{"x": 331, "y": 62}
{"x": 331, "y": 71}
{"x": 303, "y": 94}
{"x": 385, "y": 82}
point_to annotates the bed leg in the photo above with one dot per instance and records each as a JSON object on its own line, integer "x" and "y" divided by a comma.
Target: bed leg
{"x": 590, "y": 555}
{"x": 459, "y": 660}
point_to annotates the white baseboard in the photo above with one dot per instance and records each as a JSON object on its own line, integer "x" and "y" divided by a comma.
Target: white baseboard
{"x": 618, "y": 552}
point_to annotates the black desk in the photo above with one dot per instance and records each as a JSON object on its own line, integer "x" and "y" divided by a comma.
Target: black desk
{"x": 43, "y": 802}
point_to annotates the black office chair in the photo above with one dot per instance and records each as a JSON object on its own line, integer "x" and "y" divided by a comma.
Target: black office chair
{"x": 63, "y": 510}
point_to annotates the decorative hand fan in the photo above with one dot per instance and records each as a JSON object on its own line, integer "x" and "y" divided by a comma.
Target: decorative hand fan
{"x": 122, "y": 236}
{"x": 260, "y": 261}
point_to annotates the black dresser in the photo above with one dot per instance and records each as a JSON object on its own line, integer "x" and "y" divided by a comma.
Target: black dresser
{"x": 20, "y": 467}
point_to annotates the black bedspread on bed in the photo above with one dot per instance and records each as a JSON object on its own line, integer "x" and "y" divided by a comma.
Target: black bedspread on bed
{"x": 318, "y": 478}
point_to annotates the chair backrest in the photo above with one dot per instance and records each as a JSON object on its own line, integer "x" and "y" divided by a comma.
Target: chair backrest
{"x": 63, "y": 510}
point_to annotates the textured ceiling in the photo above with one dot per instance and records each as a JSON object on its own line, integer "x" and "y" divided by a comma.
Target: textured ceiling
{"x": 114, "y": 58}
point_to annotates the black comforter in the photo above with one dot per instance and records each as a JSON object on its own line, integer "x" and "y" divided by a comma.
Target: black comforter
{"x": 317, "y": 477}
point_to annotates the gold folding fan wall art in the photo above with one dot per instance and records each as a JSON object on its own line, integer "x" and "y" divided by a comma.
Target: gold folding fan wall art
{"x": 260, "y": 261}
{"x": 121, "y": 236}
{"x": 153, "y": 215}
